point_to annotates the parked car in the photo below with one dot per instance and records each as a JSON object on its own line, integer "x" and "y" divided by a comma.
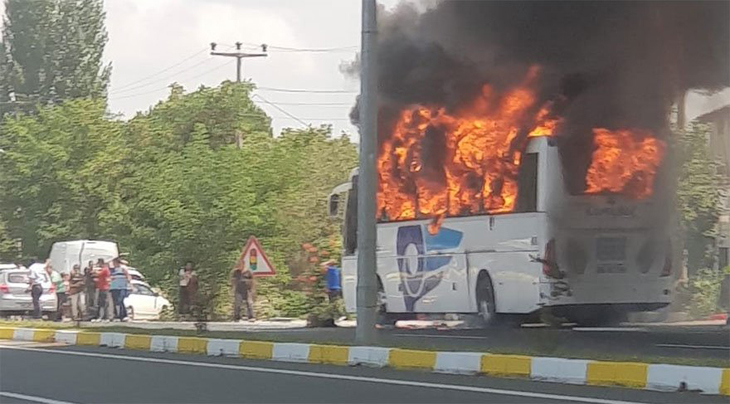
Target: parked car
{"x": 15, "y": 296}
{"x": 143, "y": 303}
{"x": 5, "y": 267}
{"x": 134, "y": 273}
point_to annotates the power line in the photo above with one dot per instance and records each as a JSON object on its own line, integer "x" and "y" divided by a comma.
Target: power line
{"x": 163, "y": 70}
{"x": 281, "y": 109}
{"x": 218, "y": 67}
{"x": 297, "y": 90}
{"x": 317, "y": 104}
{"x": 202, "y": 62}
{"x": 275, "y": 48}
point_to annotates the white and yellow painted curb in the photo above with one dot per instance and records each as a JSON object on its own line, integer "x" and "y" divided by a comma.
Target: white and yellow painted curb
{"x": 574, "y": 371}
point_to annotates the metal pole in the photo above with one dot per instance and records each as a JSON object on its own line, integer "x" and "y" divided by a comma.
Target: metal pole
{"x": 367, "y": 288}
{"x": 238, "y": 69}
{"x": 238, "y": 63}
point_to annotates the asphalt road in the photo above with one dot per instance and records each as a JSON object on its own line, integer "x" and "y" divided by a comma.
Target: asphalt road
{"x": 677, "y": 342}
{"x": 51, "y": 374}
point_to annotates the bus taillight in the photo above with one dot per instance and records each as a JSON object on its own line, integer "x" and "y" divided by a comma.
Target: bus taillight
{"x": 550, "y": 262}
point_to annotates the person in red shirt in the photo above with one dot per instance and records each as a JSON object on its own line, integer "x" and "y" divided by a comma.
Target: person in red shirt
{"x": 103, "y": 298}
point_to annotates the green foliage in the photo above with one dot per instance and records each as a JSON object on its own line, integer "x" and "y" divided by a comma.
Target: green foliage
{"x": 171, "y": 185}
{"x": 705, "y": 292}
{"x": 61, "y": 167}
{"x": 8, "y": 251}
{"x": 52, "y": 52}
{"x": 698, "y": 195}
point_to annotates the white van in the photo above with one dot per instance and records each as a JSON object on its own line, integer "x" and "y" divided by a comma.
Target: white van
{"x": 66, "y": 254}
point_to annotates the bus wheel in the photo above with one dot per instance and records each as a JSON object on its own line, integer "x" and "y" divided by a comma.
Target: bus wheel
{"x": 485, "y": 302}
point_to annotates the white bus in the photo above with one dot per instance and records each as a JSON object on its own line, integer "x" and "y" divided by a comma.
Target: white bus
{"x": 587, "y": 258}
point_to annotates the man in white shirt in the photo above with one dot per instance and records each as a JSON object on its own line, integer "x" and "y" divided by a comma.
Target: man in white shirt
{"x": 36, "y": 276}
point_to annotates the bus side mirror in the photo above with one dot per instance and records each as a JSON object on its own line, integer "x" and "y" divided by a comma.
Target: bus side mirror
{"x": 334, "y": 204}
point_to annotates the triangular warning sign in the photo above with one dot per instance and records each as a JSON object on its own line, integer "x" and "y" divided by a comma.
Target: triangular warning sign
{"x": 254, "y": 259}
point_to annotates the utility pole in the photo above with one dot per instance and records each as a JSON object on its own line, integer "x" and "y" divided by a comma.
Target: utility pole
{"x": 238, "y": 55}
{"x": 367, "y": 287}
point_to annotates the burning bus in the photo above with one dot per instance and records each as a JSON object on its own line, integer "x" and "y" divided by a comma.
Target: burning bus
{"x": 524, "y": 161}
{"x": 491, "y": 226}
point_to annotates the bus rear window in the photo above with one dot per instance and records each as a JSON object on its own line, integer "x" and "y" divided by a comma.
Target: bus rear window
{"x": 527, "y": 192}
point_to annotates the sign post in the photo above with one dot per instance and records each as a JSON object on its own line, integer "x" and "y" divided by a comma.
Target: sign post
{"x": 254, "y": 259}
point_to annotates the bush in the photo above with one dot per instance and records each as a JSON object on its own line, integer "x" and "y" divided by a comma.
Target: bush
{"x": 705, "y": 292}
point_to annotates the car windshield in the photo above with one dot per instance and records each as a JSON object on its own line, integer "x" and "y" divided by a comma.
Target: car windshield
{"x": 143, "y": 290}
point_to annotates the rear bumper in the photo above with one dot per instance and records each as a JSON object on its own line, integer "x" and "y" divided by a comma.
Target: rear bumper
{"x": 10, "y": 303}
{"x": 571, "y": 310}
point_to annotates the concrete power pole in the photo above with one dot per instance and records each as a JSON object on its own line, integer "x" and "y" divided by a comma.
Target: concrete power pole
{"x": 367, "y": 287}
{"x": 238, "y": 55}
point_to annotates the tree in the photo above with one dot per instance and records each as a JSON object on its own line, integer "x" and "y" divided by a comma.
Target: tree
{"x": 171, "y": 185}
{"x": 75, "y": 49}
{"x": 7, "y": 245}
{"x": 698, "y": 196}
{"x": 62, "y": 167}
{"x": 52, "y": 51}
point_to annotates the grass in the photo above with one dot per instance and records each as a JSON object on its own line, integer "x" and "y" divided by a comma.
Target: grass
{"x": 544, "y": 348}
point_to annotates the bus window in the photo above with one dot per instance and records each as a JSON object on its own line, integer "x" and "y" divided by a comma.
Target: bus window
{"x": 349, "y": 233}
{"x": 527, "y": 193}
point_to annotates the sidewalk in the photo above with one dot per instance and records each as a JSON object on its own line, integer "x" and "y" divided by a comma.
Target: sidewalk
{"x": 266, "y": 325}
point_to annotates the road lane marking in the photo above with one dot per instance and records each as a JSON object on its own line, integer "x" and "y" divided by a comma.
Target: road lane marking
{"x": 32, "y": 398}
{"x": 437, "y": 336}
{"x": 719, "y": 347}
{"x": 409, "y": 383}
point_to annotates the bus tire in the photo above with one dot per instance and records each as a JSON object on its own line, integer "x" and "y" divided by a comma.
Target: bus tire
{"x": 486, "y": 307}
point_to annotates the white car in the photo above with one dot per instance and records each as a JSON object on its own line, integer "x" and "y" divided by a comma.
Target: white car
{"x": 15, "y": 298}
{"x": 143, "y": 303}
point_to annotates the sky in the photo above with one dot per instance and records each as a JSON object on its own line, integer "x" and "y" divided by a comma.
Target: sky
{"x": 153, "y": 43}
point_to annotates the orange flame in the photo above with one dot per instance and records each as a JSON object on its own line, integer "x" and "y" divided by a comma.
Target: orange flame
{"x": 439, "y": 163}
{"x": 624, "y": 161}
{"x": 476, "y": 165}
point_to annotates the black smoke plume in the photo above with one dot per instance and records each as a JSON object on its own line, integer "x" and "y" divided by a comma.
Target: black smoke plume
{"x": 608, "y": 64}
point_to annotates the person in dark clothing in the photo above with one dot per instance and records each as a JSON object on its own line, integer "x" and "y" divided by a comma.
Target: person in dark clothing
{"x": 188, "y": 288}
{"x": 75, "y": 293}
{"x": 36, "y": 276}
{"x": 90, "y": 287}
{"x": 243, "y": 287}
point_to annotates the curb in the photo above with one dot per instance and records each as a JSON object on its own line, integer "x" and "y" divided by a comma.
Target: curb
{"x": 635, "y": 375}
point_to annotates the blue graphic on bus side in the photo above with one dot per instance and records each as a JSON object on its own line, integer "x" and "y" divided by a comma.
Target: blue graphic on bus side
{"x": 419, "y": 274}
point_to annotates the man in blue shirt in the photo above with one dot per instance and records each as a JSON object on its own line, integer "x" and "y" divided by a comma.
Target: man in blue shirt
{"x": 333, "y": 281}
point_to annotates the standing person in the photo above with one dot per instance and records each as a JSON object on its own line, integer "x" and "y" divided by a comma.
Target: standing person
{"x": 35, "y": 286}
{"x": 243, "y": 287}
{"x": 60, "y": 283}
{"x": 90, "y": 287}
{"x": 76, "y": 293}
{"x": 333, "y": 284}
{"x": 188, "y": 287}
{"x": 103, "y": 298}
{"x": 120, "y": 282}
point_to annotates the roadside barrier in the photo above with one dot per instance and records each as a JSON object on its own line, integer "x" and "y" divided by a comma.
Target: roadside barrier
{"x": 662, "y": 377}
